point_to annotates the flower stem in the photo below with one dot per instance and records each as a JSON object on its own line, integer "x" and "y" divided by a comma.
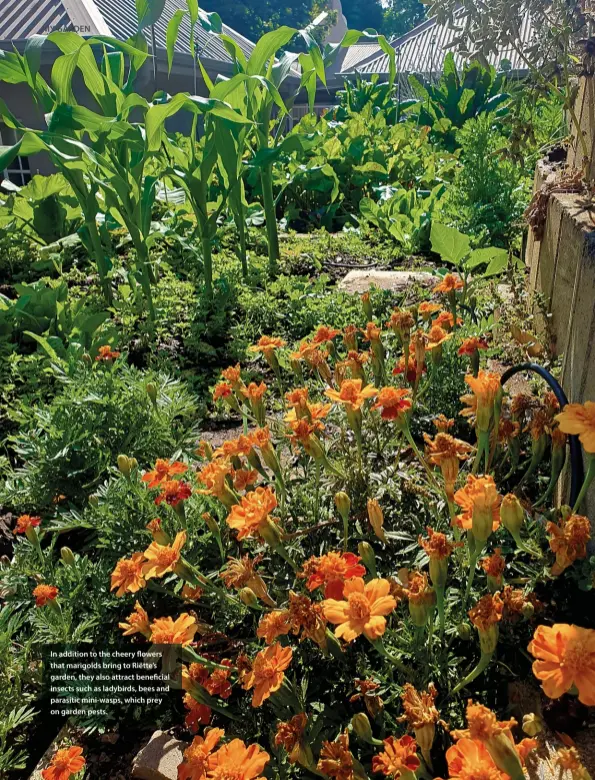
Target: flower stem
{"x": 590, "y": 475}
{"x": 474, "y": 673}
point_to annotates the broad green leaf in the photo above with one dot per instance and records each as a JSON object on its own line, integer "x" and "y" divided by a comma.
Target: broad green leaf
{"x": 449, "y": 243}
{"x": 267, "y": 47}
{"x": 315, "y": 54}
{"x": 171, "y": 36}
{"x": 498, "y": 264}
{"x": 392, "y": 54}
{"x": 45, "y": 344}
{"x": 234, "y": 51}
{"x": 32, "y": 55}
{"x": 11, "y": 68}
{"x": 483, "y": 256}
{"x": 148, "y": 12}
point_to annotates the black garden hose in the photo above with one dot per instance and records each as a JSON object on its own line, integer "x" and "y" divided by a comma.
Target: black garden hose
{"x": 576, "y": 455}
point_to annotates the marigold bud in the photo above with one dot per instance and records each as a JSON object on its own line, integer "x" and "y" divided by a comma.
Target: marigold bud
{"x": 124, "y": 465}
{"x": 528, "y": 610}
{"x": 367, "y": 555}
{"x": 248, "y": 597}
{"x": 464, "y": 631}
{"x": 86, "y": 358}
{"x": 512, "y": 514}
{"x": 94, "y": 500}
{"x": 211, "y": 523}
{"x": 376, "y": 518}
{"x": 152, "y": 392}
{"x": 271, "y": 532}
{"x": 360, "y": 724}
{"x": 343, "y": 503}
{"x": 67, "y": 556}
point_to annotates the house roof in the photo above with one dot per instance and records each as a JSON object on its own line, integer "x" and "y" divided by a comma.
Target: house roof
{"x": 358, "y": 53}
{"x": 20, "y": 19}
{"x": 423, "y": 50}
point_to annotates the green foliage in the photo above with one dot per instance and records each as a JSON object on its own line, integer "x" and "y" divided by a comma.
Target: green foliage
{"x": 405, "y": 215}
{"x": 253, "y": 18}
{"x": 66, "y": 447}
{"x": 455, "y": 248}
{"x": 46, "y": 208}
{"x": 344, "y": 162}
{"x": 489, "y": 193}
{"x": 400, "y": 16}
{"x": 359, "y": 94}
{"x": 458, "y": 97}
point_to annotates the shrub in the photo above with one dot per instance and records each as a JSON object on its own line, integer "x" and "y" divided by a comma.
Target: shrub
{"x": 489, "y": 193}
{"x": 65, "y": 447}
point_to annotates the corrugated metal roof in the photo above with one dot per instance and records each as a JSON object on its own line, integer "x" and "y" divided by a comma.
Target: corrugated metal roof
{"x": 120, "y": 16}
{"x": 19, "y": 19}
{"x": 357, "y": 53}
{"x": 23, "y": 18}
{"x": 424, "y": 48}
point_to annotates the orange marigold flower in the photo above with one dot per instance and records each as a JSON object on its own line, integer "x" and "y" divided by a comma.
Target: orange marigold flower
{"x": 307, "y": 619}
{"x": 516, "y": 602}
{"x": 167, "y": 631}
{"x": 44, "y": 594}
{"x": 243, "y": 478}
{"x": 420, "y": 709}
{"x": 173, "y": 492}
{"x": 368, "y": 691}
{"x": 324, "y": 334}
{"x": 290, "y": 735}
{"x": 25, "y": 522}
{"x": 568, "y": 760}
{"x": 508, "y": 429}
{"x": 421, "y": 596}
{"x": 273, "y": 625}
{"x": 234, "y": 448}
{"x": 336, "y": 760}
{"x": 401, "y": 321}
{"x": 363, "y": 609}
{"x": 568, "y": 540}
{"x": 411, "y": 373}
{"x": 480, "y": 502}
{"x": 65, "y": 763}
{"x": 483, "y": 724}
{"x": 487, "y": 612}
{"x": 485, "y": 387}
{"x": 372, "y": 332}
{"x": 449, "y": 283}
{"x": 494, "y": 565}
{"x": 470, "y": 760}
{"x": 197, "y": 755}
{"x": 213, "y": 477}
{"x": 241, "y": 572}
{"x": 442, "y": 423}
{"x": 445, "y": 452}
{"x": 426, "y": 309}
{"x": 254, "y": 392}
{"x": 565, "y": 658}
{"x": 331, "y": 571}
{"x": 233, "y": 375}
{"x": 161, "y": 559}
{"x": 137, "y": 622}
{"x": 218, "y": 683}
{"x": 128, "y": 575}
{"x": 471, "y": 345}
{"x": 393, "y": 402}
{"x": 163, "y": 471}
{"x": 198, "y": 714}
{"x": 352, "y": 394}
{"x": 437, "y": 336}
{"x": 579, "y": 420}
{"x": 267, "y": 673}
{"x": 237, "y": 761}
{"x": 105, "y": 352}
{"x": 437, "y": 546}
{"x": 298, "y": 399}
{"x": 267, "y": 345}
{"x": 190, "y": 593}
{"x": 446, "y": 320}
{"x": 250, "y": 515}
{"x": 222, "y": 390}
{"x": 399, "y": 758}
{"x": 357, "y": 360}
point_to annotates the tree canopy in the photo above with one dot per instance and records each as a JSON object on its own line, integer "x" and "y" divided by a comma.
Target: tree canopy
{"x": 253, "y": 18}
